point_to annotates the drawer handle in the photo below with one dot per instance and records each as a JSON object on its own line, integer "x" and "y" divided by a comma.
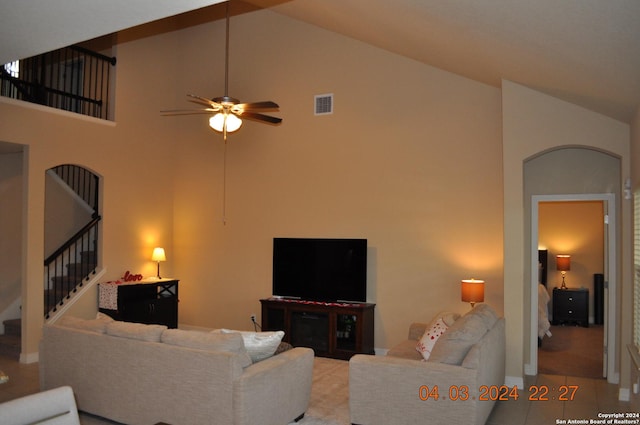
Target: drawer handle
{"x": 570, "y": 311}
{"x": 570, "y": 298}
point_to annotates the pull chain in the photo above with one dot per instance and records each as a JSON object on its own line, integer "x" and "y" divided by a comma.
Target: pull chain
{"x": 224, "y": 181}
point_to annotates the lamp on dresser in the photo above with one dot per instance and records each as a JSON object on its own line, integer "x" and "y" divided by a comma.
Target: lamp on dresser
{"x": 158, "y": 256}
{"x": 563, "y": 264}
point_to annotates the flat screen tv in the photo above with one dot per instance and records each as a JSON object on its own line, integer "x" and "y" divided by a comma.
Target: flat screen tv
{"x": 328, "y": 270}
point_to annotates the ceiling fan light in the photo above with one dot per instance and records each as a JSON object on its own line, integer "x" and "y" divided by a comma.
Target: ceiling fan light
{"x": 233, "y": 123}
{"x": 220, "y": 120}
{"x": 217, "y": 122}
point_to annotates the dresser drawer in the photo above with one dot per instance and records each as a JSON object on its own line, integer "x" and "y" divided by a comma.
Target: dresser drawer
{"x": 571, "y": 306}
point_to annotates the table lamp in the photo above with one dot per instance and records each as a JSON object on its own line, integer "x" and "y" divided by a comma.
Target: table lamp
{"x": 157, "y": 256}
{"x": 472, "y": 291}
{"x": 563, "y": 264}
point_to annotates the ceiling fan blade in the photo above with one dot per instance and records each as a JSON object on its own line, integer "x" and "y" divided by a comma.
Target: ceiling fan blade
{"x": 265, "y": 105}
{"x": 261, "y": 117}
{"x": 208, "y": 111}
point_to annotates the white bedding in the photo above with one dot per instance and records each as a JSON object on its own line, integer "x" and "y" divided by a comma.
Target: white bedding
{"x": 543, "y": 312}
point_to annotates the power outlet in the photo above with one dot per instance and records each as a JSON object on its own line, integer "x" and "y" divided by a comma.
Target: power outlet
{"x": 253, "y": 318}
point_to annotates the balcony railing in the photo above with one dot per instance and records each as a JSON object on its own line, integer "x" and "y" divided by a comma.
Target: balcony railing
{"x": 72, "y": 78}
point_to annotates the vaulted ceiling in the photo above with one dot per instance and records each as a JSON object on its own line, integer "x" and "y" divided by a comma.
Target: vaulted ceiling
{"x": 583, "y": 51}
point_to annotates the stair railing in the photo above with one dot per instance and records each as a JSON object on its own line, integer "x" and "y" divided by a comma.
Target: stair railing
{"x": 79, "y": 256}
{"x": 76, "y": 260}
{"x": 82, "y": 181}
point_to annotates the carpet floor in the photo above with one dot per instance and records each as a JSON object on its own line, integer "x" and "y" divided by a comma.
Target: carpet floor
{"x": 572, "y": 351}
{"x": 329, "y": 404}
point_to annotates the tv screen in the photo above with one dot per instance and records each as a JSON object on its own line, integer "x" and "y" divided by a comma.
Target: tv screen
{"x": 320, "y": 269}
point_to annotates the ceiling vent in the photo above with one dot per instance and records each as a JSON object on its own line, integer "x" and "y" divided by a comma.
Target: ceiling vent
{"x": 323, "y": 104}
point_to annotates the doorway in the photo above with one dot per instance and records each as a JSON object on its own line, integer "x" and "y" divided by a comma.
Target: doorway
{"x": 571, "y": 236}
{"x": 584, "y": 266}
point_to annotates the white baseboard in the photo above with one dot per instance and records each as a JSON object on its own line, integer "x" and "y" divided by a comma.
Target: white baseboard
{"x": 614, "y": 378}
{"x": 29, "y": 357}
{"x": 529, "y": 369}
{"x": 514, "y": 381}
{"x": 624, "y": 394}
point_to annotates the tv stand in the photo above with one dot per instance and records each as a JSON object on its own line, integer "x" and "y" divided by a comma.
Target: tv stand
{"x": 338, "y": 330}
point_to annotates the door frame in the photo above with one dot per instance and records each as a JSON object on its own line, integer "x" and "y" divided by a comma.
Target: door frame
{"x": 610, "y": 269}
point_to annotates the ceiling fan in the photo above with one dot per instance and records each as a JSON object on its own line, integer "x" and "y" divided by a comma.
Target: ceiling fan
{"x": 227, "y": 111}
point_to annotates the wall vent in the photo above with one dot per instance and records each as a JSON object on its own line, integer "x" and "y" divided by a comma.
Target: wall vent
{"x": 323, "y": 104}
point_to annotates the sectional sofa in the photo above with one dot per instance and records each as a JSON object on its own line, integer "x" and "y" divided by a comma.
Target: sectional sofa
{"x": 146, "y": 374}
{"x": 458, "y": 383}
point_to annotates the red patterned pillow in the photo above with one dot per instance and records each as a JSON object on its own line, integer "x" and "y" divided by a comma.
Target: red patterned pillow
{"x": 428, "y": 340}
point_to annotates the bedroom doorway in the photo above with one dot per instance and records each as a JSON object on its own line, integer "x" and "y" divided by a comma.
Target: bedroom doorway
{"x": 573, "y": 348}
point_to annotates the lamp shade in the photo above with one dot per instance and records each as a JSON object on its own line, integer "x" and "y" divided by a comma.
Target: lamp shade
{"x": 158, "y": 254}
{"x": 472, "y": 291}
{"x": 563, "y": 262}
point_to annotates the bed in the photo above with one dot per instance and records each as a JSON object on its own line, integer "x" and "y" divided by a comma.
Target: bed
{"x": 543, "y": 298}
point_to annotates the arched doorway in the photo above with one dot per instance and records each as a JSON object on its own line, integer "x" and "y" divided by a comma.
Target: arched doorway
{"x": 71, "y": 232}
{"x": 573, "y": 174}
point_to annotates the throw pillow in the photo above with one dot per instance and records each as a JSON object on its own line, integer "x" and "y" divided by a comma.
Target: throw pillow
{"x": 454, "y": 345}
{"x": 428, "y": 340}
{"x": 448, "y": 317}
{"x": 416, "y": 330}
{"x": 259, "y": 345}
{"x": 282, "y": 347}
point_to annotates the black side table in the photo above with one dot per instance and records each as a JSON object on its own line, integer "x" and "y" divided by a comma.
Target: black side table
{"x": 571, "y": 305}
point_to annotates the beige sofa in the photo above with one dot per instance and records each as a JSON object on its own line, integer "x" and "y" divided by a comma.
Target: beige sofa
{"x": 52, "y": 407}
{"x": 399, "y": 388}
{"x": 145, "y": 374}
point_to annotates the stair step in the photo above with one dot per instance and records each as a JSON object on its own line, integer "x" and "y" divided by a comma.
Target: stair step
{"x": 10, "y": 346}
{"x": 13, "y": 327}
{"x": 80, "y": 269}
{"x": 88, "y": 256}
{"x": 64, "y": 286}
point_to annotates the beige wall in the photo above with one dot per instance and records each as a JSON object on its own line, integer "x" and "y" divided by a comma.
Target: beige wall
{"x": 65, "y": 213}
{"x": 10, "y": 234}
{"x": 133, "y": 156}
{"x": 635, "y": 184}
{"x": 410, "y": 160}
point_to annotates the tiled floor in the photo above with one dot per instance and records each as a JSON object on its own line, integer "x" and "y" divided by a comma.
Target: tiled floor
{"x": 592, "y": 397}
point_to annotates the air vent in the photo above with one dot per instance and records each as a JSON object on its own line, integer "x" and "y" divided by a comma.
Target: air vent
{"x": 323, "y": 104}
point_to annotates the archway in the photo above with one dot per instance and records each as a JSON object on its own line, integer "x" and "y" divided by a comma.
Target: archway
{"x": 572, "y": 174}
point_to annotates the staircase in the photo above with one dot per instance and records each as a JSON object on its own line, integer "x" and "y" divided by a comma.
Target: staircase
{"x": 10, "y": 342}
{"x": 63, "y": 286}
{"x": 76, "y": 260}
{"x": 72, "y": 265}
